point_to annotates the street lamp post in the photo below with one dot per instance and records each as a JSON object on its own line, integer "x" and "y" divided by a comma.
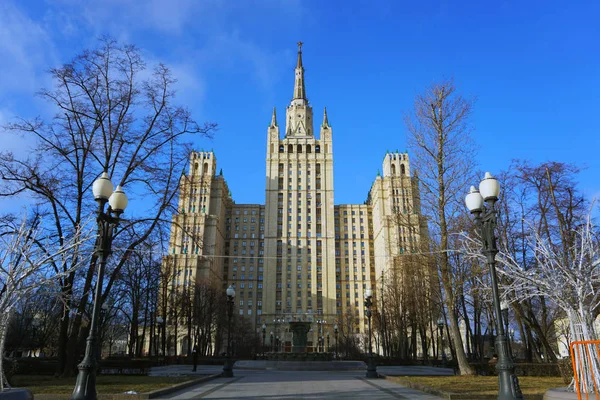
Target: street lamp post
{"x": 320, "y": 341}
{"x": 161, "y": 335}
{"x": 504, "y": 306}
{"x": 85, "y": 387}
{"x": 228, "y": 367}
{"x": 485, "y": 218}
{"x": 371, "y": 365}
{"x": 335, "y": 332}
{"x": 103, "y": 312}
{"x": 272, "y": 343}
{"x": 440, "y": 324}
{"x": 152, "y": 343}
{"x": 327, "y": 349}
{"x": 277, "y": 322}
{"x": 264, "y": 332}
{"x": 511, "y": 342}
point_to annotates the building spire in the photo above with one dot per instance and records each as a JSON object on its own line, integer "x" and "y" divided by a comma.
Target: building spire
{"x": 299, "y": 63}
{"x": 299, "y": 89}
{"x": 325, "y": 120}
{"x": 274, "y": 118}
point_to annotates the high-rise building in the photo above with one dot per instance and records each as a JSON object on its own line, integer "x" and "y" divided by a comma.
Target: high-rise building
{"x": 299, "y": 256}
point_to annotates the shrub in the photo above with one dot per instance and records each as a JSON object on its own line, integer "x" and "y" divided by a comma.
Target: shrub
{"x": 35, "y": 366}
{"x": 125, "y": 366}
{"x": 566, "y": 369}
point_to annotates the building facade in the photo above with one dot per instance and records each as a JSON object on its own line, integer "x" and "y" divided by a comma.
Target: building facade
{"x": 298, "y": 256}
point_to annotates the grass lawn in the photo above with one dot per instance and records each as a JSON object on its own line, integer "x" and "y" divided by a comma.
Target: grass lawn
{"x": 484, "y": 384}
{"x": 108, "y": 384}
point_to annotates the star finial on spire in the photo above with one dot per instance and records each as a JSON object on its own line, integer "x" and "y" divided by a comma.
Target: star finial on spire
{"x": 299, "y": 90}
{"x": 299, "y": 63}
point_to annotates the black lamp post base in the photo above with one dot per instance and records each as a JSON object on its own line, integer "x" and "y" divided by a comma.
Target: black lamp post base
{"x": 371, "y": 368}
{"x": 85, "y": 388}
{"x": 227, "y": 369}
{"x": 508, "y": 386}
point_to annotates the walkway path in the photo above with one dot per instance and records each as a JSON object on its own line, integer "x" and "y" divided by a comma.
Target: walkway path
{"x": 249, "y": 384}
{"x": 180, "y": 370}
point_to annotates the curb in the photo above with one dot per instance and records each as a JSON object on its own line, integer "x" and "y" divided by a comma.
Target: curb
{"x": 178, "y": 387}
{"x": 418, "y": 386}
{"x": 450, "y": 395}
{"x": 141, "y": 396}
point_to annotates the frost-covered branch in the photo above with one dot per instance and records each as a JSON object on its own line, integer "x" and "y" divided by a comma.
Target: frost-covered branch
{"x": 567, "y": 274}
{"x": 26, "y": 257}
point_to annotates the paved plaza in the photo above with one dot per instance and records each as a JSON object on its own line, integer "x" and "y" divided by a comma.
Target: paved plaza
{"x": 273, "y": 384}
{"x": 250, "y": 367}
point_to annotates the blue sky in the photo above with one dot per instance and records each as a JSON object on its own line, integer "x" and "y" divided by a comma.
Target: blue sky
{"x": 533, "y": 66}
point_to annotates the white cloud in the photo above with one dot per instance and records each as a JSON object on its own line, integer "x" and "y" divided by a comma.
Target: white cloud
{"x": 232, "y": 50}
{"x": 223, "y": 31}
{"x": 169, "y": 17}
{"x": 190, "y": 87}
{"x": 26, "y": 50}
{"x": 177, "y": 17}
{"x": 212, "y": 33}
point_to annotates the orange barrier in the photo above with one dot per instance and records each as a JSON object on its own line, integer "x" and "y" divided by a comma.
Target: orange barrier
{"x": 585, "y": 357}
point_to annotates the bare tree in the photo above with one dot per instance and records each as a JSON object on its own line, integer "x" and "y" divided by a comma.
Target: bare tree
{"x": 137, "y": 287}
{"x": 570, "y": 281}
{"x": 442, "y": 152}
{"x": 29, "y": 261}
{"x": 206, "y": 312}
{"x": 348, "y": 335}
{"x": 33, "y": 326}
{"x": 110, "y": 116}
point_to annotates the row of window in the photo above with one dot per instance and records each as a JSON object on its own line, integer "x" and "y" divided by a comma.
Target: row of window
{"x": 353, "y": 212}
{"x": 402, "y": 169}
{"x": 290, "y": 148}
{"x": 250, "y": 268}
{"x": 252, "y": 212}
{"x": 192, "y": 209}
{"x": 242, "y": 285}
{"x": 243, "y": 277}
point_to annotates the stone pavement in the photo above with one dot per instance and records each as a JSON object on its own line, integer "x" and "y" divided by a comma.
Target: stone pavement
{"x": 179, "y": 370}
{"x": 269, "y": 384}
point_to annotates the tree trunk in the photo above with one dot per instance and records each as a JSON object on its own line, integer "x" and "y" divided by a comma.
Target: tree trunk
{"x": 461, "y": 358}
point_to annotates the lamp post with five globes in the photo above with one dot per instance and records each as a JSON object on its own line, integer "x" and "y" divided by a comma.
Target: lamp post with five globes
{"x": 485, "y": 218}
{"x": 85, "y": 387}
